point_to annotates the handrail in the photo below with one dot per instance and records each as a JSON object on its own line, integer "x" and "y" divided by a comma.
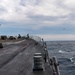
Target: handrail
{"x": 52, "y": 61}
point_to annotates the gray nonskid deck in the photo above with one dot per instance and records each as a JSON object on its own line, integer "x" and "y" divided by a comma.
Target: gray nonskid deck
{"x": 22, "y": 63}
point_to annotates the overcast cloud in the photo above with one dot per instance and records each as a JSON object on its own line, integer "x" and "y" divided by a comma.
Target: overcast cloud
{"x": 35, "y": 15}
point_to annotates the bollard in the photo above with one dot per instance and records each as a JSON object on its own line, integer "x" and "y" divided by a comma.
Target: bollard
{"x": 36, "y": 43}
{"x": 1, "y": 46}
{"x": 38, "y": 54}
{"x": 38, "y": 63}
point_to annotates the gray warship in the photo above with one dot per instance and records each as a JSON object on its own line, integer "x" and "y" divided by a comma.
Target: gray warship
{"x": 27, "y": 57}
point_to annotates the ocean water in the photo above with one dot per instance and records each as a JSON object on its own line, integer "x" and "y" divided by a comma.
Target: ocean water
{"x": 65, "y": 53}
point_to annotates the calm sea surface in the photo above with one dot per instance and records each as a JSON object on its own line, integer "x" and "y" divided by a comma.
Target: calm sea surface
{"x": 65, "y": 53}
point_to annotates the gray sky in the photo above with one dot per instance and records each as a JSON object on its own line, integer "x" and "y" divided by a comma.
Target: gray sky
{"x": 51, "y": 19}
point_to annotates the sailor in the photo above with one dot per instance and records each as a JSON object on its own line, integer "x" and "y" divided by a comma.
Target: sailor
{"x": 27, "y": 36}
{"x": 45, "y": 56}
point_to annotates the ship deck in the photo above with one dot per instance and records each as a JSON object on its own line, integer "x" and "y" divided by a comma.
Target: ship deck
{"x": 17, "y": 59}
